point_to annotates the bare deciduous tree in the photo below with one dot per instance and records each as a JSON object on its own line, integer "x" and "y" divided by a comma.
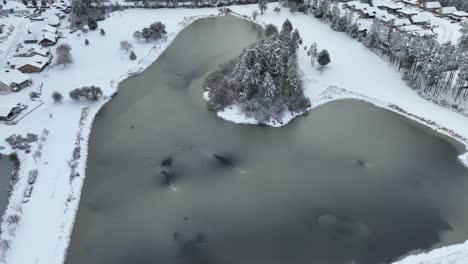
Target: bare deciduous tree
{"x": 125, "y": 45}
{"x": 63, "y": 55}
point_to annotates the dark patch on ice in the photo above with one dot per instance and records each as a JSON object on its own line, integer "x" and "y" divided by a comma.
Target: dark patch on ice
{"x": 360, "y": 163}
{"x": 224, "y": 160}
{"x": 343, "y": 227}
{"x": 167, "y": 162}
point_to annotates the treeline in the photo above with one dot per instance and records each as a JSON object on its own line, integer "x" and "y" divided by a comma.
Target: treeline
{"x": 264, "y": 81}
{"x": 436, "y": 71}
{"x": 461, "y": 5}
{"x": 188, "y": 3}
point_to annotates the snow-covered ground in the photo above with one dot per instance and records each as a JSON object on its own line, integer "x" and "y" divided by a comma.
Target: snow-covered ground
{"x": 43, "y": 233}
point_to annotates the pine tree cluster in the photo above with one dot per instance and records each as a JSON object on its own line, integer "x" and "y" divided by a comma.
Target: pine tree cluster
{"x": 264, "y": 80}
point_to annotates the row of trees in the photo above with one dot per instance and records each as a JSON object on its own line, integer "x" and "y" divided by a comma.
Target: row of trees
{"x": 34, "y": 3}
{"x": 90, "y": 93}
{"x": 459, "y": 4}
{"x": 155, "y": 32}
{"x": 264, "y": 80}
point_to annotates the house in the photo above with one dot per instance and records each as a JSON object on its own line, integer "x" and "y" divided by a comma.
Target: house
{"x": 444, "y": 11}
{"x": 13, "y": 80}
{"x": 435, "y": 5}
{"x": 14, "y": 7}
{"x": 32, "y": 64}
{"x": 49, "y": 28}
{"x": 419, "y": 20}
{"x": 45, "y": 35}
{"x": 401, "y": 22}
{"x": 32, "y": 51}
{"x": 411, "y": 28}
{"x": 10, "y": 112}
{"x": 458, "y": 16}
{"x": 389, "y": 6}
{"x": 53, "y": 21}
{"x": 411, "y": 2}
{"x": 407, "y": 13}
{"x": 47, "y": 39}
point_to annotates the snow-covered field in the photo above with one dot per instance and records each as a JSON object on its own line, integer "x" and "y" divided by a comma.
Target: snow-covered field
{"x": 42, "y": 235}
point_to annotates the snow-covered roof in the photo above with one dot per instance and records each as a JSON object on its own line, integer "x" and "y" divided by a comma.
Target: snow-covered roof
{"x": 401, "y": 22}
{"x": 49, "y": 28}
{"x": 419, "y": 19}
{"x": 412, "y": 2}
{"x": 411, "y": 28}
{"x": 425, "y": 32}
{"x": 433, "y": 5}
{"x": 53, "y": 21}
{"x": 460, "y": 14}
{"x": 13, "y": 77}
{"x": 47, "y": 36}
{"x": 35, "y": 61}
{"x": 448, "y": 9}
{"x": 6, "y": 109}
{"x": 388, "y": 3}
{"x": 407, "y": 11}
{"x": 14, "y": 6}
{"x": 27, "y": 51}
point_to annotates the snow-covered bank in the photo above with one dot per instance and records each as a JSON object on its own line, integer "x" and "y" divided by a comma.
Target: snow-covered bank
{"x": 44, "y": 230}
{"x": 365, "y": 76}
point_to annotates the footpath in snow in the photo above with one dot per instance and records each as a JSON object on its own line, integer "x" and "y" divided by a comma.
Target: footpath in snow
{"x": 43, "y": 233}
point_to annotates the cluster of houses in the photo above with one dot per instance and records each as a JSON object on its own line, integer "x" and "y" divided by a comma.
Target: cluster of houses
{"x": 32, "y": 55}
{"x": 14, "y": 7}
{"x": 449, "y": 12}
{"x": 405, "y": 15}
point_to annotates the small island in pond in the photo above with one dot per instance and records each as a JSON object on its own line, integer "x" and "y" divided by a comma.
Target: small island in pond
{"x": 264, "y": 81}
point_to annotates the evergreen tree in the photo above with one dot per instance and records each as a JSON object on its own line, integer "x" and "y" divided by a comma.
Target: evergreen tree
{"x": 92, "y": 24}
{"x": 57, "y": 97}
{"x": 271, "y": 30}
{"x": 132, "y": 55}
{"x": 86, "y": 42}
{"x": 287, "y": 28}
{"x": 296, "y": 39}
{"x": 102, "y": 32}
{"x": 323, "y": 58}
{"x": 34, "y": 3}
{"x": 268, "y": 87}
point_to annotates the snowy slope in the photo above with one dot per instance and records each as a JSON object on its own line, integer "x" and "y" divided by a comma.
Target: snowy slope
{"x": 42, "y": 235}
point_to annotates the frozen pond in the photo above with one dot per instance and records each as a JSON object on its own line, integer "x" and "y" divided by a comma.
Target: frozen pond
{"x": 168, "y": 182}
{"x": 6, "y": 167}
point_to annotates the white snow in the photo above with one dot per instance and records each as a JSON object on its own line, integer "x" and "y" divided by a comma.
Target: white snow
{"x": 433, "y": 5}
{"x": 43, "y": 233}
{"x": 14, "y": 6}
